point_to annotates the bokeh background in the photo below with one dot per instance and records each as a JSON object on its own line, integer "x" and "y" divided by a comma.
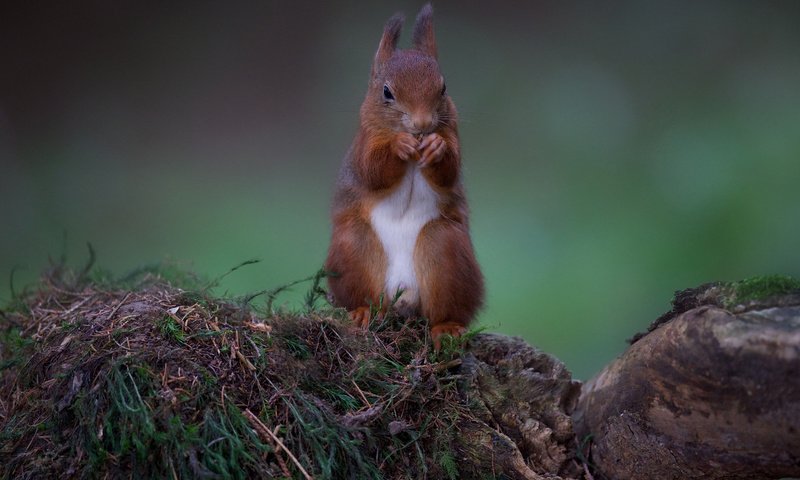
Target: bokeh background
{"x": 613, "y": 152}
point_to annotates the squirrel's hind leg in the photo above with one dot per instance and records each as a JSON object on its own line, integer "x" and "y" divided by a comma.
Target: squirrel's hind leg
{"x": 357, "y": 265}
{"x": 450, "y": 280}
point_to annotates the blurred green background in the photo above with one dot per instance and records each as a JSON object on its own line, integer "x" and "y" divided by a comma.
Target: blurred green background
{"x": 613, "y": 152}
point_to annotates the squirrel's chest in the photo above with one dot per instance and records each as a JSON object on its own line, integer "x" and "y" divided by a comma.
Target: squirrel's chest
{"x": 397, "y": 220}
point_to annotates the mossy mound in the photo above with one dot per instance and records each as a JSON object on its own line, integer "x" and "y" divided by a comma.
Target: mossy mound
{"x": 757, "y": 290}
{"x": 749, "y": 294}
{"x": 155, "y": 381}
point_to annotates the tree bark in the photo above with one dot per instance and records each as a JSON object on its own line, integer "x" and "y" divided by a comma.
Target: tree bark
{"x": 708, "y": 393}
{"x": 520, "y": 401}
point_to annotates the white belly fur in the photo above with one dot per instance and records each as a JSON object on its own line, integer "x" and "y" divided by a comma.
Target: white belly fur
{"x": 398, "y": 219}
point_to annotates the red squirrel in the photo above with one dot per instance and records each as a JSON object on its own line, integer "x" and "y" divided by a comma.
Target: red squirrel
{"x": 400, "y": 217}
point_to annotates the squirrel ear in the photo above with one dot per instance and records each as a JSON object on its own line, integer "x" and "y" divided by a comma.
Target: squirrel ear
{"x": 423, "y": 38}
{"x": 391, "y": 33}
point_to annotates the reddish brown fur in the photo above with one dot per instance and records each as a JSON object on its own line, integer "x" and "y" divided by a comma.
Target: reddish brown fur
{"x": 450, "y": 281}
{"x": 356, "y": 261}
{"x": 447, "y": 272}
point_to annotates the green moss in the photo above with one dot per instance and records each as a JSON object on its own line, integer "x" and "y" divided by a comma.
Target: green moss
{"x": 296, "y": 346}
{"x": 444, "y": 456}
{"x": 445, "y": 459}
{"x": 760, "y": 288}
{"x": 335, "y": 448}
{"x": 335, "y": 395}
{"x": 171, "y": 330}
{"x": 453, "y": 347}
{"x": 147, "y": 442}
{"x": 14, "y": 348}
{"x": 230, "y": 446}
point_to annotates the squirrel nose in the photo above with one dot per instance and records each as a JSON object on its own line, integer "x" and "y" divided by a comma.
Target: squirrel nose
{"x": 422, "y": 122}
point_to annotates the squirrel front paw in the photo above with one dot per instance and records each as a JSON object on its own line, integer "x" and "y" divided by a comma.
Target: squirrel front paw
{"x": 405, "y": 146}
{"x": 432, "y": 149}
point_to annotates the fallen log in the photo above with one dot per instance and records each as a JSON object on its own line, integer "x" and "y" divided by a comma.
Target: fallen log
{"x": 712, "y": 391}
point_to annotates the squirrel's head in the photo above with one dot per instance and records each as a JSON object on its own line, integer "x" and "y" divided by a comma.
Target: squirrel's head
{"x": 407, "y": 91}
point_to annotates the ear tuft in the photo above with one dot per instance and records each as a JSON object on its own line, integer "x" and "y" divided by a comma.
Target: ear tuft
{"x": 391, "y": 33}
{"x": 423, "y": 38}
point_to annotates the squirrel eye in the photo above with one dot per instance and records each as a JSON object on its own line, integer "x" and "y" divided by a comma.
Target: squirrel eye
{"x": 387, "y": 94}
{"x": 444, "y": 89}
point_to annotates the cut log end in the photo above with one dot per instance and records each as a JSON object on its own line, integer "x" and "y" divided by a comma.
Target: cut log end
{"x": 706, "y": 394}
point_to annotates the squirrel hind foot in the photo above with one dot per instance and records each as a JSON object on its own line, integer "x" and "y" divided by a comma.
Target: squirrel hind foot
{"x": 361, "y": 317}
{"x": 447, "y": 328}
